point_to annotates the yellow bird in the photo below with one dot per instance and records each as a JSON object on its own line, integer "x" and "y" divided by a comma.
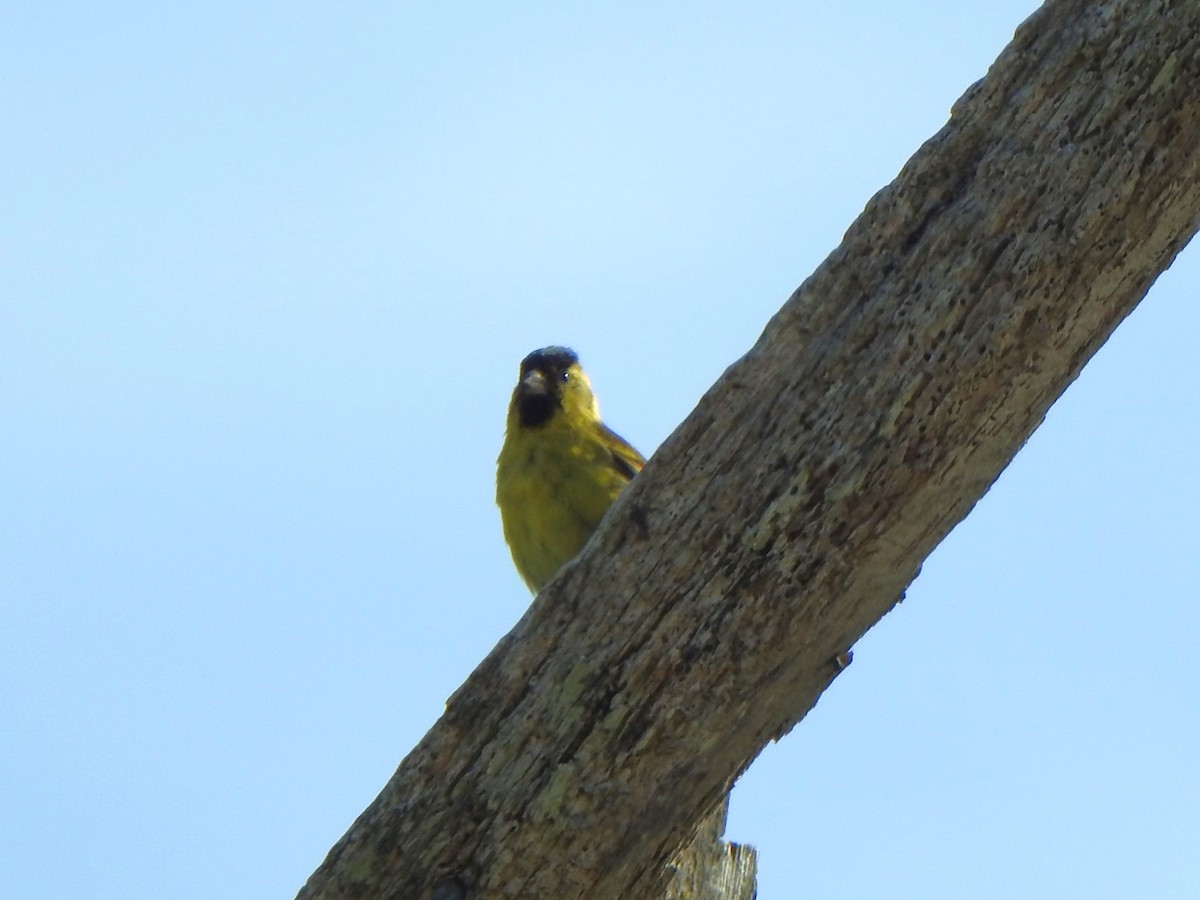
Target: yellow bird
{"x": 560, "y": 467}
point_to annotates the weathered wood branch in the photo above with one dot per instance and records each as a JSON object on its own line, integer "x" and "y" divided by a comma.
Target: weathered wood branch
{"x": 791, "y": 509}
{"x": 710, "y": 868}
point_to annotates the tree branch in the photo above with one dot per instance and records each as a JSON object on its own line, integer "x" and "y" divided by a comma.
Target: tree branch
{"x": 792, "y": 508}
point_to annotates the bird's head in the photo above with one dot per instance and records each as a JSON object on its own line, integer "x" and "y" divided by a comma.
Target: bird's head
{"x": 552, "y": 383}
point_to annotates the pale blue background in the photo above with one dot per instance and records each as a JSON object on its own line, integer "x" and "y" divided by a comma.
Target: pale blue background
{"x": 266, "y": 271}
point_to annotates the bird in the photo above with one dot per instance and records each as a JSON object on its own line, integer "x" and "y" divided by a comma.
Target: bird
{"x": 560, "y": 467}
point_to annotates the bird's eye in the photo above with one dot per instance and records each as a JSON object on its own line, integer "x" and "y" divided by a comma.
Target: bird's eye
{"x": 565, "y": 376}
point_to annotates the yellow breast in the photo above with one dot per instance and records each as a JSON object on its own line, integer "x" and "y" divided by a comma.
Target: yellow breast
{"x": 553, "y": 486}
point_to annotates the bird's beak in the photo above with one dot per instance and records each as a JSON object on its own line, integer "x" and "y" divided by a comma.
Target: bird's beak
{"x": 534, "y": 385}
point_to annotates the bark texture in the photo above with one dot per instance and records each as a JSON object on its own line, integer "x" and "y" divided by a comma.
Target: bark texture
{"x": 711, "y": 869}
{"x": 791, "y": 509}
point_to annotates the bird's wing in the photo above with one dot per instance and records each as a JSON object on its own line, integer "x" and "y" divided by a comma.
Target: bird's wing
{"x": 625, "y": 459}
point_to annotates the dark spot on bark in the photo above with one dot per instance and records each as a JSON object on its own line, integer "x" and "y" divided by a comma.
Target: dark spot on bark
{"x": 449, "y": 888}
{"x": 641, "y": 522}
{"x": 635, "y": 727}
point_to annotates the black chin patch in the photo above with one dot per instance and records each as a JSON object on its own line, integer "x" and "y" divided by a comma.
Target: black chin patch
{"x": 535, "y": 408}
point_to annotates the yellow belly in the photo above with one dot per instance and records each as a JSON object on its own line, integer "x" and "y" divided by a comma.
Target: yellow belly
{"x": 552, "y": 489}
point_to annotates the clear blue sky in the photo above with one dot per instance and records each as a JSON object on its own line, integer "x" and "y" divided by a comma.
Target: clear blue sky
{"x": 266, "y": 271}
